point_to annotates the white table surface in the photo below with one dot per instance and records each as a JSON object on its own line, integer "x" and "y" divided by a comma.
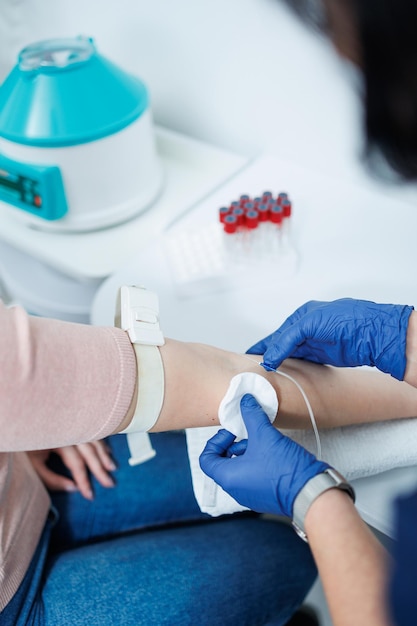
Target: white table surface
{"x": 350, "y": 242}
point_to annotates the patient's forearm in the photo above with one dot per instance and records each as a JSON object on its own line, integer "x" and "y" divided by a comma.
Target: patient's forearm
{"x": 197, "y": 377}
{"x": 342, "y": 396}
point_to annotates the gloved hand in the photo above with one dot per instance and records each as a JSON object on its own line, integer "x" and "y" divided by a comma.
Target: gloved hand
{"x": 345, "y": 333}
{"x": 269, "y": 469}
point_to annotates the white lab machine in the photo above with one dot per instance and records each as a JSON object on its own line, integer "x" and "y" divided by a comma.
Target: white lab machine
{"x": 80, "y": 165}
{"x": 77, "y": 149}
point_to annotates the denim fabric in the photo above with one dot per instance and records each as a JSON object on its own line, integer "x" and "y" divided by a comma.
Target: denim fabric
{"x": 172, "y": 565}
{"x": 402, "y": 590}
{"x": 152, "y": 493}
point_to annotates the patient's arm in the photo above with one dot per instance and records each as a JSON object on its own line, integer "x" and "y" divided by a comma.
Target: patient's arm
{"x": 63, "y": 384}
{"x": 197, "y": 377}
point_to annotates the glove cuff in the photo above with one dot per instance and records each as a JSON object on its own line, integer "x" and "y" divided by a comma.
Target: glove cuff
{"x": 393, "y": 360}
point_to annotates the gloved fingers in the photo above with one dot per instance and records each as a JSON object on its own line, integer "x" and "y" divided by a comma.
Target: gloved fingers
{"x": 255, "y": 418}
{"x": 220, "y": 442}
{"x": 212, "y": 464}
{"x": 284, "y": 345}
{"x": 238, "y": 448}
{"x": 213, "y": 458}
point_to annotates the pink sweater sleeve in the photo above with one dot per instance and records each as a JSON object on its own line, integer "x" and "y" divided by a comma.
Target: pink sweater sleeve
{"x": 61, "y": 383}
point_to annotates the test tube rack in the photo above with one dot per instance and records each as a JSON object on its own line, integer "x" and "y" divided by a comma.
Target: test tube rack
{"x": 249, "y": 239}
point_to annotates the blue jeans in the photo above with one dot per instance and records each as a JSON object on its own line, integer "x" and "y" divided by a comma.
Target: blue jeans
{"x": 143, "y": 554}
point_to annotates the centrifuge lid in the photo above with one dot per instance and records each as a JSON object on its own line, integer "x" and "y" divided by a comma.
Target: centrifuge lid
{"x": 63, "y": 93}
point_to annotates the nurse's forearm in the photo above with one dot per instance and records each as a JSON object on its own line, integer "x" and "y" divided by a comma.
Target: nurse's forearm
{"x": 351, "y": 562}
{"x": 197, "y": 377}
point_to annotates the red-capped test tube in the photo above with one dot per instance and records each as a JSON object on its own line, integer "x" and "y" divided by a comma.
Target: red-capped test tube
{"x": 252, "y": 219}
{"x": 282, "y": 197}
{"x": 276, "y": 215}
{"x": 263, "y": 212}
{"x": 286, "y": 207}
{"x": 263, "y": 229}
{"x": 230, "y": 238}
{"x": 230, "y": 224}
{"x": 249, "y": 206}
{"x": 266, "y": 214}
{"x": 239, "y": 214}
{"x": 223, "y": 211}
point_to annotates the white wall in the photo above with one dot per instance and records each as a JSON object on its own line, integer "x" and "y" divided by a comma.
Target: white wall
{"x": 242, "y": 74}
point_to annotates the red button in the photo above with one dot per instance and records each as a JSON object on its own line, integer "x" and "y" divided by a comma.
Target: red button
{"x": 37, "y": 201}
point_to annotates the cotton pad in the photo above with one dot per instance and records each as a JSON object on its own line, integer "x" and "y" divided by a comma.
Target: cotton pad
{"x": 210, "y": 497}
{"x": 230, "y": 416}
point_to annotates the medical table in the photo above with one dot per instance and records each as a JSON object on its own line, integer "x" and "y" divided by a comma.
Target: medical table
{"x": 57, "y": 274}
{"x": 346, "y": 241}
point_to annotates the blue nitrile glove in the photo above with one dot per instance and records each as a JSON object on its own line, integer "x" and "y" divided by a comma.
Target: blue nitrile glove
{"x": 270, "y": 468}
{"x": 345, "y": 333}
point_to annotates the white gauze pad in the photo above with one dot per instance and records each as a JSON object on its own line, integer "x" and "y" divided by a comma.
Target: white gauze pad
{"x": 230, "y": 416}
{"x": 210, "y": 497}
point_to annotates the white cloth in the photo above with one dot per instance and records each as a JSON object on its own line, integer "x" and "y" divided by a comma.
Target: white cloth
{"x": 364, "y": 449}
{"x": 356, "y": 451}
{"x": 210, "y": 497}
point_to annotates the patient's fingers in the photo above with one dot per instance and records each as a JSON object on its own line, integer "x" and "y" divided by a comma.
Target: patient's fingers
{"x": 85, "y": 458}
{"x": 52, "y": 480}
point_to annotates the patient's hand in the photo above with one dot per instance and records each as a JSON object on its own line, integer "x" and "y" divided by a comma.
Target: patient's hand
{"x": 81, "y": 460}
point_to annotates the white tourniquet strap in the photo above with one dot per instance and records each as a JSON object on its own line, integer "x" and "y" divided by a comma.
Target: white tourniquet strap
{"x": 137, "y": 312}
{"x": 151, "y": 388}
{"x": 140, "y": 448}
{"x": 149, "y": 403}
